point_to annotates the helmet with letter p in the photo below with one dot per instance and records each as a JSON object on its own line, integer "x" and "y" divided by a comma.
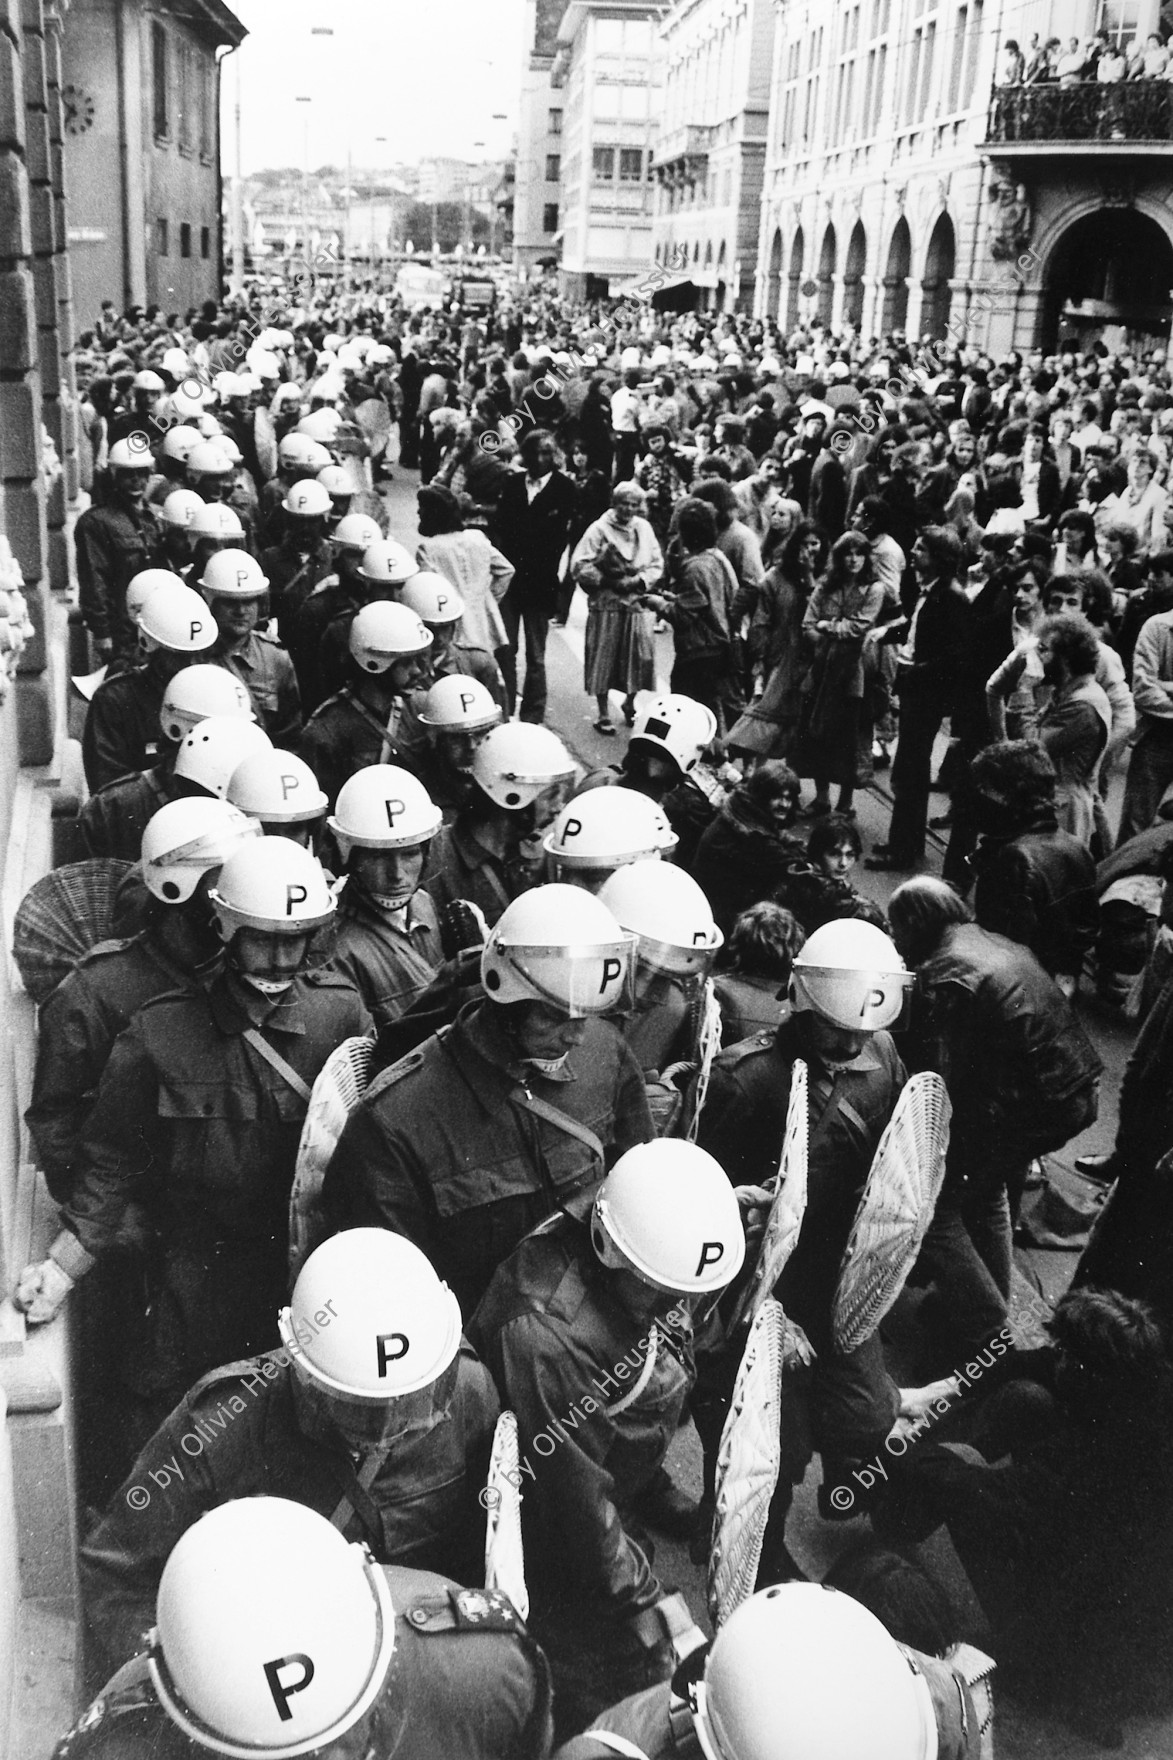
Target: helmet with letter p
{"x": 850, "y": 975}
{"x": 271, "y": 898}
{"x": 280, "y": 791}
{"x": 559, "y": 946}
{"x": 665, "y": 907}
{"x": 667, "y": 1212}
{"x": 373, "y": 1335}
{"x": 602, "y": 830}
{"x": 273, "y": 1635}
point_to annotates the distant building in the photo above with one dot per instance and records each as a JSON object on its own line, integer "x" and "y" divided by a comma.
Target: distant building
{"x": 710, "y": 155}
{"x": 611, "y": 76}
{"x": 537, "y": 218}
{"x": 141, "y": 100}
{"x": 908, "y": 188}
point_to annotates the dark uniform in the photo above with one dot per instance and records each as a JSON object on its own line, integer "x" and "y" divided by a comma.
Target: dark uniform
{"x": 466, "y": 1683}
{"x": 266, "y": 672}
{"x": 193, "y": 1121}
{"x": 445, "y": 1150}
{"x": 306, "y": 638}
{"x": 853, "y": 1402}
{"x": 388, "y": 965}
{"x": 112, "y": 545}
{"x": 661, "y": 1726}
{"x": 344, "y": 736}
{"x": 112, "y": 821}
{"x": 122, "y": 732}
{"x": 293, "y": 572}
{"x": 418, "y": 1507}
{"x": 458, "y": 866}
{"x": 598, "y": 1398}
{"x": 76, "y": 1029}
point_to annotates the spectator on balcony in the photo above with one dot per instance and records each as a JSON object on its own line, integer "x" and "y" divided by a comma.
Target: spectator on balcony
{"x": 1153, "y": 59}
{"x": 1072, "y": 63}
{"x": 1111, "y": 64}
{"x": 1014, "y": 64}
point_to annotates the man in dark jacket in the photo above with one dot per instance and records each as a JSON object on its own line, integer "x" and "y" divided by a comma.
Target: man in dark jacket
{"x": 322, "y": 1419}
{"x": 1036, "y": 884}
{"x": 1022, "y": 1077}
{"x": 531, "y": 527}
{"x": 932, "y": 657}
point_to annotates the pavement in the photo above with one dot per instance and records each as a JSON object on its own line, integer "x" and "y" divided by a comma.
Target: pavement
{"x": 1022, "y": 1733}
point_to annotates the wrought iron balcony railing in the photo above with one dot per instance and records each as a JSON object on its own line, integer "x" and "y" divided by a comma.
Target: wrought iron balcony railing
{"x": 1132, "y": 110}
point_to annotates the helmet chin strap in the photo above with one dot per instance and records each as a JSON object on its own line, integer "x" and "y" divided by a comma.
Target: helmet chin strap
{"x": 547, "y": 1066}
{"x": 267, "y": 986}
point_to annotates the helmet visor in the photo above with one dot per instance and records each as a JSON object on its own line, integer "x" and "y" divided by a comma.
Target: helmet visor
{"x": 579, "y": 981}
{"x": 860, "y": 1002}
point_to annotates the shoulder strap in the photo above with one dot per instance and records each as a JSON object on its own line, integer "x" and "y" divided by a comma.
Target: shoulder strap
{"x": 614, "y": 1744}
{"x": 561, "y": 1121}
{"x": 275, "y": 1061}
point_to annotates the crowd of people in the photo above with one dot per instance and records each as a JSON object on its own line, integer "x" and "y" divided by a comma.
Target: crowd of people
{"x": 550, "y": 1019}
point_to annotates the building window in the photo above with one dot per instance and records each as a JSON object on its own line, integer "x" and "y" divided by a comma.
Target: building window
{"x": 971, "y": 60}
{"x": 205, "y": 242}
{"x": 550, "y": 217}
{"x": 603, "y": 164}
{"x": 553, "y": 167}
{"x": 631, "y": 165}
{"x": 159, "y": 79}
{"x": 554, "y": 122}
{"x": 1120, "y": 18}
{"x": 183, "y": 97}
{"x": 161, "y": 243}
{"x": 185, "y": 238}
{"x": 205, "y": 90}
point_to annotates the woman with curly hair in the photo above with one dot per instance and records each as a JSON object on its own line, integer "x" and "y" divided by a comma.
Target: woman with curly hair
{"x": 660, "y": 477}
{"x": 842, "y": 609}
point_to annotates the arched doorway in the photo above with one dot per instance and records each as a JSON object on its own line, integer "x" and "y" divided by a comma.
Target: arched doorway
{"x": 774, "y": 280}
{"x": 1109, "y": 278}
{"x": 895, "y": 312}
{"x": 794, "y": 279}
{"x": 857, "y": 255}
{"x": 826, "y": 277}
{"x": 939, "y": 268}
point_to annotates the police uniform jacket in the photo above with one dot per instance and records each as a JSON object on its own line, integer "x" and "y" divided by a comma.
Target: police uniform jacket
{"x": 743, "y": 1122}
{"x": 466, "y": 1682}
{"x": 660, "y": 1725}
{"x": 444, "y": 1150}
{"x": 239, "y": 1433}
{"x": 388, "y": 965}
{"x": 112, "y": 545}
{"x": 293, "y": 574}
{"x": 76, "y": 1029}
{"x": 112, "y": 821}
{"x": 344, "y": 735}
{"x": 194, "y": 1122}
{"x": 306, "y": 637}
{"x": 122, "y": 732}
{"x": 458, "y": 866}
{"x": 266, "y": 672}
{"x": 597, "y": 1401}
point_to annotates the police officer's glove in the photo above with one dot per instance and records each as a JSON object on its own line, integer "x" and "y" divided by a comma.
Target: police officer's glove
{"x": 463, "y": 928}
{"x": 669, "y": 1624}
{"x": 41, "y": 1291}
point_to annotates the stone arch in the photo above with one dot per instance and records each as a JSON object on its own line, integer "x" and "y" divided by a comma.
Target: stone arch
{"x": 794, "y": 278}
{"x": 853, "y": 272}
{"x": 895, "y": 310}
{"x": 1117, "y": 260}
{"x": 940, "y": 267}
{"x": 826, "y": 275}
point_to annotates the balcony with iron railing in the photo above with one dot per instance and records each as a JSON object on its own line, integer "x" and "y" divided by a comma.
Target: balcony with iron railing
{"x": 683, "y": 155}
{"x": 1133, "y": 118}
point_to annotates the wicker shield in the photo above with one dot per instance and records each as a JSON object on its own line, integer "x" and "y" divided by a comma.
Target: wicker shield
{"x": 374, "y": 418}
{"x": 504, "y": 1557}
{"x": 748, "y": 1463}
{"x": 789, "y": 1206}
{"x": 61, "y": 917}
{"x": 341, "y": 1084}
{"x": 265, "y": 443}
{"x": 895, "y": 1210}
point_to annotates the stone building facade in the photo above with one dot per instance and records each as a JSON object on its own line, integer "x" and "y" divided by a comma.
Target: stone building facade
{"x": 710, "y": 155}
{"x": 908, "y": 189}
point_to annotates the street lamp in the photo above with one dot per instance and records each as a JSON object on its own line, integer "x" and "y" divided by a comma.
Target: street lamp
{"x": 305, "y": 181}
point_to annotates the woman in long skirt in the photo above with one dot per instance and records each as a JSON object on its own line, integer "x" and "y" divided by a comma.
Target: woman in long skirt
{"x": 842, "y": 609}
{"x": 617, "y": 559}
